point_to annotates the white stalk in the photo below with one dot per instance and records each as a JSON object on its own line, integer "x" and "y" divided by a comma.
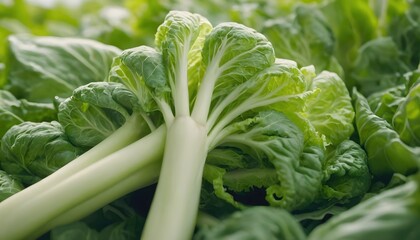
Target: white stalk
{"x": 205, "y": 92}
{"x": 181, "y": 98}
{"x": 131, "y": 131}
{"x": 91, "y": 181}
{"x": 140, "y": 179}
{"x": 175, "y": 204}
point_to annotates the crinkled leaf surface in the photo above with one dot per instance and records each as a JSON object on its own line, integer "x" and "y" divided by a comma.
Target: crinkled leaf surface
{"x": 331, "y": 109}
{"x": 32, "y": 151}
{"x": 282, "y": 163}
{"x": 345, "y": 173}
{"x": 8, "y": 185}
{"x": 95, "y": 111}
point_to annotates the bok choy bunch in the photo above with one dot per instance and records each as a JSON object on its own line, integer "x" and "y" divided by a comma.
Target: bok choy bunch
{"x": 222, "y": 88}
{"x": 210, "y": 103}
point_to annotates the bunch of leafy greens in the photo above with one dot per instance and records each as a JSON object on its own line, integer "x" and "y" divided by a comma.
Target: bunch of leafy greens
{"x": 215, "y": 93}
{"x": 216, "y": 115}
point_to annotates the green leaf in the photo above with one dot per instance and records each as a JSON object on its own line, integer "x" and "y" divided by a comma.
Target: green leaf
{"x": 40, "y": 68}
{"x": 379, "y": 65}
{"x": 32, "y": 151}
{"x": 392, "y": 214}
{"x": 256, "y": 223}
{"x": 385, "y": 103}
{"x": 281, "y": 162}
{"x": 95, "y": 111}
{"x": 142, "y": 71}
{"x": 180, "y": 38}
{"x": 387, "y": 153}
{"x": 14, "y": 111}
{"x": 281, "y": 87}
{"x": 8, "y": 185}
{"x": 345, "y": 173}
{"x": 236, "y": 53}
{"x": 331, "y": 108}
{"x": 350, "y": 32}
{"x": 406, "y": 120}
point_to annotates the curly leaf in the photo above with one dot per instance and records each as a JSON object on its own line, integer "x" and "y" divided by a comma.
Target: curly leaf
{"x": 283, "y": 164}
{"x": 331, "y": 109}
{"x": 345, "y": 173}
{"x": 32, "y": 151}
{"x": 387, "y": 153}
{"x": 95, "y": 111}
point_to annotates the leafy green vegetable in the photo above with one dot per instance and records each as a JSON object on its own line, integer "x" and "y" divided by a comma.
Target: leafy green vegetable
{"x": 255, "y": 223}
{"x": 218, "y": 89}
{"x": 209, "y": 83}
{"x": 40, "y": 68}
{"x": 32, "y": 151}
{"x": 133, "y": 128}
{"x": 221, "y": 104}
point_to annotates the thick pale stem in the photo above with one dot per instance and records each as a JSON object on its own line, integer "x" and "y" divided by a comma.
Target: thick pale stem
{"x": 96, "y": 178}
{"x": 131, "y": 131}
{"x": 175, "y": 204}
{"x": 142, "y": 178}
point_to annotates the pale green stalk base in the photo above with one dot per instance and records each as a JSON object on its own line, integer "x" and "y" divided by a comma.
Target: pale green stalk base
{"x": 131, "y": 131}
{"x": 175, "y": 204}
{"x": 22, "y": 219}
{"x": 144, "y": 177}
